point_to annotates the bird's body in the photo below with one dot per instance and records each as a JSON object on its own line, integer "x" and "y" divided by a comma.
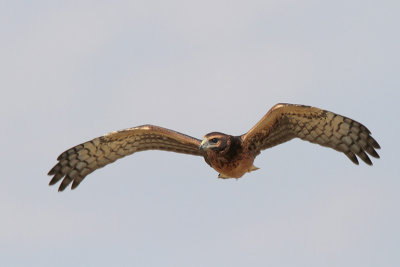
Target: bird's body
{"x": 231, "y": 156}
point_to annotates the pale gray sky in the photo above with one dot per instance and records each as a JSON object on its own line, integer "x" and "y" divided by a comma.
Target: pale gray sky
{"x": 73, "y": 70}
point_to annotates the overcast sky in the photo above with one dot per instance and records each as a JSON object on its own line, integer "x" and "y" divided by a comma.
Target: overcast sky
{"x": 74, "y": 70}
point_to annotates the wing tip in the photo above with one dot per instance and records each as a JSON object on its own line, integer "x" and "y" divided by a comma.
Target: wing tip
{"x": 60, "y": 189}
{"x": 352, "y": 157}
{"x": 367, "y": 160}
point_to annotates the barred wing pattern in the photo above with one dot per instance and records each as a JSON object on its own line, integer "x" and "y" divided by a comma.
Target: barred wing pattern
{"x": 77, "y": 162}
{"x": 284, "y": 122}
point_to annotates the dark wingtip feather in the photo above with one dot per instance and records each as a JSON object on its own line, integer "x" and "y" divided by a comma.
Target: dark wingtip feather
{"x": 374, "y": 153}
{"x": 54, "y": 170}
{"x": 352, "y": 157}
{"x": 67, "y": 180}
{"x": 75, "y": 184}
{"x": 364, "y": 157}
{"x": 53, "y": 181}
{"x": 57, "y": 177}
{"x": 367, "y": 160}
{"x": 373, "y": 142}
{"x": 60, "y": 188}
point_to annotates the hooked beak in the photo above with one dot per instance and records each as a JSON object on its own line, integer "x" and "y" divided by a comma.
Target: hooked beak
{"x": 204, "y": 144}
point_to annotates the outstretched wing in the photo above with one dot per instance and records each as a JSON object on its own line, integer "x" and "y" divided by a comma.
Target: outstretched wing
{"x": 77, "y": 162}
{"x": 284, "y": 122}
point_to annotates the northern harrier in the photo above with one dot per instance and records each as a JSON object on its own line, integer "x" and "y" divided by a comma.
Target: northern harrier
{"x": 231, "y": 156}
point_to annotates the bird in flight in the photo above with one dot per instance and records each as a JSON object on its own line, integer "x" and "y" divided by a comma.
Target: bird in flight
{"x": 231, "y": 156}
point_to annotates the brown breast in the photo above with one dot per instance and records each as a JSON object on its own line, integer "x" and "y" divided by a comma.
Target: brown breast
{"x": 233, "y": 161}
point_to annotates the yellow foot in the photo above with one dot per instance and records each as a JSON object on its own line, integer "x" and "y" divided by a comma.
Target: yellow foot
{"x": 253, "y": 168}
{"x": 223, "y": 176}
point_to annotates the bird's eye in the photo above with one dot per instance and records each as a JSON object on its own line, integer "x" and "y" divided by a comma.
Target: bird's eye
{"x": 214, "y": 140}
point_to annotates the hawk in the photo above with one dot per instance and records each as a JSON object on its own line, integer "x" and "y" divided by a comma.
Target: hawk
{"x": 231, "y": 156}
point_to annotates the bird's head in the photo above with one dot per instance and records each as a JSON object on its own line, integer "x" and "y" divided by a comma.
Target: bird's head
{"x": 215, "y": 141}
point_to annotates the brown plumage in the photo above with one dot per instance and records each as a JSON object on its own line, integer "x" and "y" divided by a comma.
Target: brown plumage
{"x": 231, "y": 156}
